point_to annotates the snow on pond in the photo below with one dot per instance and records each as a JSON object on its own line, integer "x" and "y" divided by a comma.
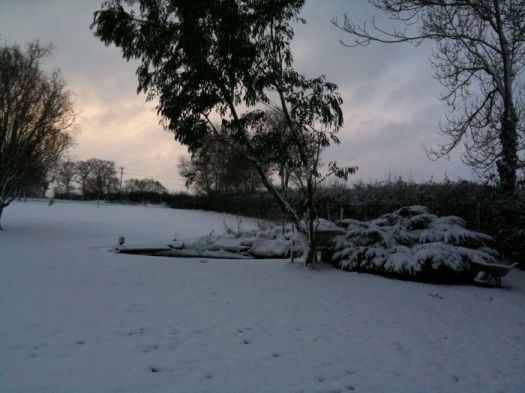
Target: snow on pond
{"x": 77, "y": 318}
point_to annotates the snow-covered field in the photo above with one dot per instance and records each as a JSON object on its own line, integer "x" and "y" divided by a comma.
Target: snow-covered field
{"x": 77, "y": 318}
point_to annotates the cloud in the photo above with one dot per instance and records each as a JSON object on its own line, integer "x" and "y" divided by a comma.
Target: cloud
{"x": 391, "y": 101}
{"x": 128, "y": 132}
{"x": 114, "y": 122}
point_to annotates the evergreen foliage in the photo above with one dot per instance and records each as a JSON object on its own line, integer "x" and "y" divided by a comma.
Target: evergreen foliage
{"x": 411, "y": 242}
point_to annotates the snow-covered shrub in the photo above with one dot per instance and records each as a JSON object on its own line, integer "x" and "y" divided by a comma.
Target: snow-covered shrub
{"x": 413, "y": 243}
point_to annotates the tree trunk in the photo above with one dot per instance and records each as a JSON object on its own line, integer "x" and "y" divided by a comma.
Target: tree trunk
{"x": 507, "y": 165}
{"x": 311, "y": 257}
{"x": 1, "y": 211}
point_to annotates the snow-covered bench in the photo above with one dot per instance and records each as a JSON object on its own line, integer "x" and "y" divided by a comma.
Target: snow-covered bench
{"x": 491, "y": 272}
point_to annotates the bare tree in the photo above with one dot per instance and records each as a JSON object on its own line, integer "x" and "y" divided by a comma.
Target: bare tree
{"x": 218, "y": 169}
{"x": 478, "y": 57}
{"x": 36, "y": 118}
{"x": 102, "y": 178}
{"x": 83, "y": 170}
{"x": 65, "y": 175}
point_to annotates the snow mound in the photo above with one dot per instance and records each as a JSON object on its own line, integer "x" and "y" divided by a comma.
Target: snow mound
{"x": 413, "y": 243}
{"x": 272, "y": 243}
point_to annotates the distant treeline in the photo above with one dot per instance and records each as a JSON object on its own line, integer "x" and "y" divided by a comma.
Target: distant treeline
{"x": 97, "y": 179}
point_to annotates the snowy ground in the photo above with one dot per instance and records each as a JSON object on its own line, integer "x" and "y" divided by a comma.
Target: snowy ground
{"x": 77, "y": 318}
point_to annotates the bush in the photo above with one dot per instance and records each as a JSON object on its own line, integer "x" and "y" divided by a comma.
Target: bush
{"x": 483, "y": 207}
{"x": 414, "y": 244}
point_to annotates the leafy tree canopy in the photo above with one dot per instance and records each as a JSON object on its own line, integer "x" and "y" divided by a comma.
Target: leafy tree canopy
{"x": 229, "y": 59}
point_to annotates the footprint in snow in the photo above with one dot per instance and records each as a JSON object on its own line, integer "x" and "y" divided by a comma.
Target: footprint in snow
{"x": 149, "y": 348}
{"x": 136, "y": 331}
{"x": 33, "y": 353}
{"x": 155, "y": 369}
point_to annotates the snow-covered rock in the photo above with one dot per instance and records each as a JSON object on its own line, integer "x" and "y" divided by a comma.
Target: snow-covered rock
{"x": 272, "y": 243}
{"x": 232, "y": 243}
{"x": 268, "y": 245}
{"x": 412, "y": 242}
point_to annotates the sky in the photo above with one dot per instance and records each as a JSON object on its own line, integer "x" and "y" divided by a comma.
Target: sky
{"x": 391, "y": 100}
